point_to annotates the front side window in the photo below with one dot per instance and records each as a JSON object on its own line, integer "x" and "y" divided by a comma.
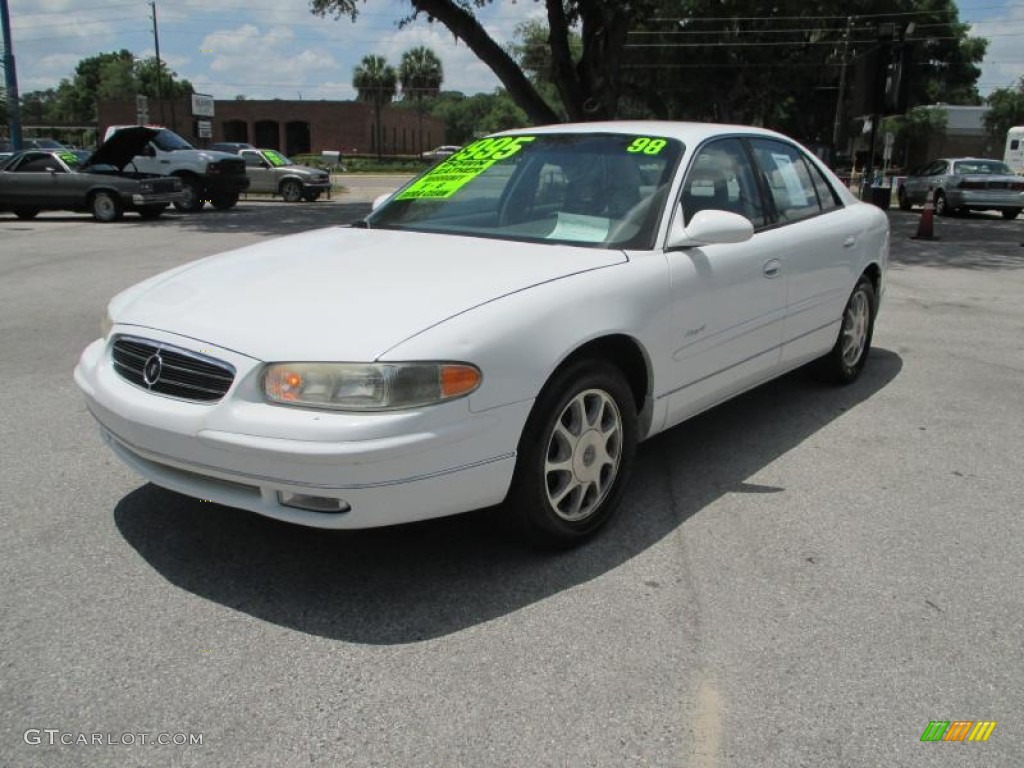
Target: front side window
{"x": 722, "y": 178}
{"x": 38, "y": 162}
{"x": 590, "y": 189}
{"x": 252, "y": 159}
{"x": 788, "y": 177}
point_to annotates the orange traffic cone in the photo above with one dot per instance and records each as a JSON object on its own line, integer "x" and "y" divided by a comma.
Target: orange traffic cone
{"x": 926, "y": 225}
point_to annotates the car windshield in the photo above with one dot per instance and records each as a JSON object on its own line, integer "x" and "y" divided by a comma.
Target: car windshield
{"x": 589, "y": 189}
{"x": 71, "y": 158}
{"x": 982, "y": 167}
{"x": 276, "y": 159}
{"x": 168, "y": 141}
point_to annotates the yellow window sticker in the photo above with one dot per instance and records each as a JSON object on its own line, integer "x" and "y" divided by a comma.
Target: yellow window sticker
{"x": 464, "y": 166}
{"x": 646, "y": 145}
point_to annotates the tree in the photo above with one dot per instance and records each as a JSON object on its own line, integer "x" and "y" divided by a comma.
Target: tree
{"x": 745, "y": 61}
{"x": 1006, "y": 109}
{"x": 115, "y": 75}
{"x": 375, "y": 82}
{"x": 421, "y": 75}
{"x": 589, "y": 88}
{"x": 468, "y": 117}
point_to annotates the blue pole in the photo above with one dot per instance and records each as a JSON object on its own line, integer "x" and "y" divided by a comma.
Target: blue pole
{"x": 11, "y": 80}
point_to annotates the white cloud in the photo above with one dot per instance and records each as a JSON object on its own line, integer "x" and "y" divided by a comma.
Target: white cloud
{"x": 1004, "y": 63}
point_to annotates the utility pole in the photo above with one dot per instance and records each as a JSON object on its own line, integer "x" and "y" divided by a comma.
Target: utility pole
{"x": 11, "y": 80}
{"x": 159, "y": 65}
{"x": 837, "y": 126}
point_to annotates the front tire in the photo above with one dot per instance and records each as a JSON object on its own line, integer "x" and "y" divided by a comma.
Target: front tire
{"x": 904, "y": 200}
{"x": 575, "y": 455}
{"x": 1011, "y": 213}
{"x": 224, "y": 201}
{"x": 311, "y": 197}
{"x": 192, "y": 202}
{"x": 941, "y": 208}
{"x": 291, "y": 191}
{"x": 26, "y": 213}
{"x": 847, "y": 359}
{"x": 106, "y": 207}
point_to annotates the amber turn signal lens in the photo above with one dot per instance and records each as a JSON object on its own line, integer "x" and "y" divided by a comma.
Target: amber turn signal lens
{"x": 458, "y": 380}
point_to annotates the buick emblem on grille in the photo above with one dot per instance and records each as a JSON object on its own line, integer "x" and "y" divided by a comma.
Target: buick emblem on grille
{"x": 151, "y": 370}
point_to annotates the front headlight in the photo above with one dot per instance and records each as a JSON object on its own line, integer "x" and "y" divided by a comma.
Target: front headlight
{"x": 145, "y": 187}
{"x": 107, "y": 323}
{"x": 370, "y": 386}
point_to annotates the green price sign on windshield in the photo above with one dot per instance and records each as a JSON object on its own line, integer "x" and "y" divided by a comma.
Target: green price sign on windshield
{"x": 464, "y": 166}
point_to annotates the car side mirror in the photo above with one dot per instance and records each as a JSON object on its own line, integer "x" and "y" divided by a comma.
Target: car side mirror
{"x": 708, "y": 227}
{"x": 264, "y": 164}
{"x": 379, "y": 201}
{"x": 149, "y": 151}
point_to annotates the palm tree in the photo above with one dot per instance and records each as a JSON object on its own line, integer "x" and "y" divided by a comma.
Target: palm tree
{"x": 421, "y": 75}
{"x": 375, "y": 82}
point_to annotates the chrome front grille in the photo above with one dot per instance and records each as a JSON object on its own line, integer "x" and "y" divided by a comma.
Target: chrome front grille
{"x": 170, "y": 370}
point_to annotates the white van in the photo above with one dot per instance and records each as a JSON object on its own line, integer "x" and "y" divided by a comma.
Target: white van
{"x": 1014, "y": 155}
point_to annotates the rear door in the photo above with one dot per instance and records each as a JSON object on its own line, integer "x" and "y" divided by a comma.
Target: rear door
{"x": 818, "y": 242}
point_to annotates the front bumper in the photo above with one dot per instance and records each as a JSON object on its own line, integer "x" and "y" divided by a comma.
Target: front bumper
{"x": 225, "y": 184}
{"x": 316, "y": 185}
{"x": 242, "y": 452}
{"x": 156, "y": 198}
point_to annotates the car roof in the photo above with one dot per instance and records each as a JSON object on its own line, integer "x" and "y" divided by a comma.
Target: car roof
{"x": 687, "y": 132}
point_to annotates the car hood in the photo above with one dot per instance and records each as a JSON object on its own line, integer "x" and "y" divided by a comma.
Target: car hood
{"x": 302, "y": 170}
{"x": 120, "y": 148}
{"x": 342, "y": 293}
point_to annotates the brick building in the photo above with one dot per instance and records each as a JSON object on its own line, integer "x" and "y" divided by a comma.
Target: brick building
{"x": 293, "y": 127}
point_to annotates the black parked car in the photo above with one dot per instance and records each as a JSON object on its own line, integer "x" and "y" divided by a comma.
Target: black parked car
{"x": 48, "y": 179}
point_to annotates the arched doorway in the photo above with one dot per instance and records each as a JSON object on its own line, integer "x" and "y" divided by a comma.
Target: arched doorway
{"x": 296, "y": 136}
{"x": 267, "y": 134}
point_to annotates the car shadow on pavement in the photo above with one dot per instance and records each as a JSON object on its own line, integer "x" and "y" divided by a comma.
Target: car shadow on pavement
{"x": 262, "y": 217}
{"x": 425, "y": 580}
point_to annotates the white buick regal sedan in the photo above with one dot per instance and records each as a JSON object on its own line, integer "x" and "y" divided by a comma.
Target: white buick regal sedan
{"x": 505, "y": 328}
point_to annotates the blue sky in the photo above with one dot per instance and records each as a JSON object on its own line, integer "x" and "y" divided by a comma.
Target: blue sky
{"x": 277, "y": 49}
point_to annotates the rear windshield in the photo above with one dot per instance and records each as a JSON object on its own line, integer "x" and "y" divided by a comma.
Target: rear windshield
{"x": 981, "y": 166}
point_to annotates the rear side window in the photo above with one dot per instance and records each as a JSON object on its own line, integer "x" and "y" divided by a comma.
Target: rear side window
{"x": 788, "y": 178}
{"x": 827, "y": 197}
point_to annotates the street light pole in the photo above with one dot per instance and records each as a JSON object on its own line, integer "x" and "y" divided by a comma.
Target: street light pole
{"x": 159, "y": 66}
{"x": 11, "y": 80}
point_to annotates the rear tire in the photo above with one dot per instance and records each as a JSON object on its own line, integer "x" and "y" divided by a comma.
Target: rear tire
{"x": 1010, "y": 214}
{"x": 26, "y": 213}
{"x": 575, "y": 455}
{"x": 849, "y": 355}
{"x": 941, "y": 209}
{"x": 904, "y": 200}
{"x": 106, "y": 207}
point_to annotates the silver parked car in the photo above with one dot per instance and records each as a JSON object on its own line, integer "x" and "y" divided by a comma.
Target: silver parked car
{"x": 965, "y": 184}
{"x": 271, "y": 172}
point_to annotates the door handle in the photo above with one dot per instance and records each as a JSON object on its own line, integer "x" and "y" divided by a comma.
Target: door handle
{"x": 849, "y": 242}
{"x": 772, "y": 268}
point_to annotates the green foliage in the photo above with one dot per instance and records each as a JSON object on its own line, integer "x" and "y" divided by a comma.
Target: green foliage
{"x": 764, "y": 62}
{"x": 1006, "y": 109}
{"x": 116, "y": 75}
{"x": 375, "y": 80}
{"x": 420, "y": 73}
{"x": 467, "y": 117}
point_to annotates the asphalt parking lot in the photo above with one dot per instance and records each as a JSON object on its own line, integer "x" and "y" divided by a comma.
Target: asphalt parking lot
{"x": 805, "y": 576}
